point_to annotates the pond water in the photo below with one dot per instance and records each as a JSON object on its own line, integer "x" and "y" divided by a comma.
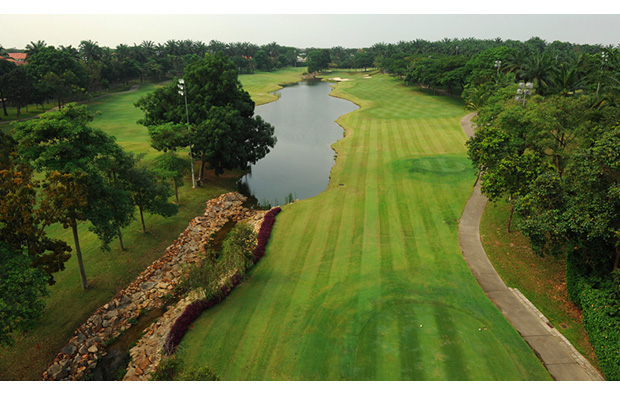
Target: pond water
{"x": 300, "y": 163}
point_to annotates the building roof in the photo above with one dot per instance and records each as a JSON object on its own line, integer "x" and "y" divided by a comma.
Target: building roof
{"x": 16, "y": 57}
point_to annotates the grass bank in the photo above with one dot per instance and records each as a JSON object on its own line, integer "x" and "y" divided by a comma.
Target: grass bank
{"x": 261, "y": 85}
{"x": 541, "y": 280}
{"x": 108, "y": 272}
{"x": 366, "y": 281}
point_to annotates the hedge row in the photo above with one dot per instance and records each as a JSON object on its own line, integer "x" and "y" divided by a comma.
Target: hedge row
{"x": 601, "y": 318}
{"x": 599, "y": 301}
{"x": 265, "y": 232}
{"x": 193, "y": 311}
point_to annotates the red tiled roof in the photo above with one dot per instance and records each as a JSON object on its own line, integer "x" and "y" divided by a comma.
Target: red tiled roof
{"x": 16, "y": 57}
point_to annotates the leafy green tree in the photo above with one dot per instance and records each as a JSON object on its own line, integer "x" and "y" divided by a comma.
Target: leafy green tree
{"x": 58, "y": 72}
{"x": 66, "y": 197}
{"x": 171, "y": 167}
{"x": 361, "y": 60}
{"x": 5, "y": 68}
{"x": 583, "y": 207}
{"x": 22, "y": 288}
{"x": 226, "y": 134}
{"x": 168, "y": 137}
{"x": 76, "y": 159}
{"x": 17, "y": 88}
{"x": 24, "y": 215}
{"x": 318, "y": 60}
{"x": 148, "y": 194}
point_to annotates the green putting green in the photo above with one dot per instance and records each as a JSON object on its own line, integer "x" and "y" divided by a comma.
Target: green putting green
{"x": 366, "y": 281}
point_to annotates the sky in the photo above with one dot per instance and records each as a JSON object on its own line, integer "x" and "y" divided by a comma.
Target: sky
{"x": 318, "y": 23}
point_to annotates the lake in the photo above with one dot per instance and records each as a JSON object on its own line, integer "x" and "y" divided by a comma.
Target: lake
{"x": 299, "y": 165}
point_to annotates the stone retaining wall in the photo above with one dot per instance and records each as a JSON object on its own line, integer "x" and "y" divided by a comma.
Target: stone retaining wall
{"x": 148, "y": 291}
{"x": 147, "y": 353}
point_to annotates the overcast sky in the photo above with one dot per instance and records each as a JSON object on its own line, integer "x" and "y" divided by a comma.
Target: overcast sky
{"x": 348, "y": 24}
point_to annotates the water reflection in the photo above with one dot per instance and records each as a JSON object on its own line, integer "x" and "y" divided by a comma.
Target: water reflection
{"x": 298, "y": 166}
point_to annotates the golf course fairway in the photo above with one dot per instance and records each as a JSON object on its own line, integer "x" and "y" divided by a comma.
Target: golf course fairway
{"x": 366, "y": 281}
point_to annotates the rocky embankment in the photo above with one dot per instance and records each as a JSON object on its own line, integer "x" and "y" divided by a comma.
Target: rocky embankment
{"x": 148, "y": 291}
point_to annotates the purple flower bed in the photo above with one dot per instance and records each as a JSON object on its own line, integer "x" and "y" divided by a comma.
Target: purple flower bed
{"x": 264, "y": 233}
{"x": 193, "y": 311}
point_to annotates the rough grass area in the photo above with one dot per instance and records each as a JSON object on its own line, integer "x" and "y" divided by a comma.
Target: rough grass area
{"x": 366, "y": 281}
{"x": 541, "y": 280}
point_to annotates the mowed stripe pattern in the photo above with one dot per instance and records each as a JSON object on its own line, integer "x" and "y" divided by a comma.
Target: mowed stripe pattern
{"x": 366, "y": 281}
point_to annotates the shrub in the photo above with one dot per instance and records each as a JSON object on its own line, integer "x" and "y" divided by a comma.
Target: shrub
{"x": 182, "y": 324}
{"x": 265, "y": 232}
{"x": 201, "y": 374}
{"x": 601, "y": 318}
{"x": 166, "y": 370}
{"x": 170, "y": 369}
{"x": 237, "y": 248}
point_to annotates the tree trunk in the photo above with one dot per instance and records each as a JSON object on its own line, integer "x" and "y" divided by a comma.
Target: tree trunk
{"x": 512, "y": 210}
{"x": 120, "y": 238}
{"x": 78, "y": 254}
{"x": 19, "y": 112}
{"x": 176, "y": 190}
{"x": 3, "y": 103}
{"x": 142, "y": 219}
{"x": 617, "y": 261}
{"x": 202, "y": 168}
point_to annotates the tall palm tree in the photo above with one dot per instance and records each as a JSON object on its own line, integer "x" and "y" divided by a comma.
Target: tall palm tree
{"x": 539, "y": 69}
{"x": 90, "y": 51}
{"x": 515, "y": 62}
{"x": 33, "y": 47}
{"x": 566, "y": 80}
{"x": 75, "y": 54}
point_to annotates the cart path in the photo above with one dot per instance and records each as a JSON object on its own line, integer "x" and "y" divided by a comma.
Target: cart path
{"x": 561, "y": 359}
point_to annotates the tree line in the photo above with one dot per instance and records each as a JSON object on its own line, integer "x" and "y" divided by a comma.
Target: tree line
{"x": 67, "y": 73}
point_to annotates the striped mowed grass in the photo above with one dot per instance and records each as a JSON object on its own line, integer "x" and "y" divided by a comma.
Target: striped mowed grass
{"x": 366, "y": 281}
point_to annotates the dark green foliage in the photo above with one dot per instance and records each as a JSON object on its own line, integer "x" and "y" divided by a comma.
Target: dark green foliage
{"x": 62, "y": 145}
{"x": 22, "y": 288}
{"x": 200, "y": 374}
{"x": 149, "y": 194}
{"x": 318, "y": 60}
{"x": 601, "y": 317}
{"x": 170, "y": 369}
{"x": 56, "y": 73}
{"x": 17, "y": 88}
{"x": 171, "y": 167}
{"x": 225, "y": 135}
{"x": 205, "y": 274}
{"x": 166, "y": 370}
{"x": 25, "y": 211}
{"x": 237, "y": 248}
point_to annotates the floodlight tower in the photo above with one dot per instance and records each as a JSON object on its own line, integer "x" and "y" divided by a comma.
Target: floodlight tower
{"x": 191, "y": 159}
{"x": 524, "y": 89}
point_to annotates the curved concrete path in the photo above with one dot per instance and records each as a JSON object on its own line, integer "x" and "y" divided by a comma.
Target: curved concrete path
{"x": 563, "y": 362}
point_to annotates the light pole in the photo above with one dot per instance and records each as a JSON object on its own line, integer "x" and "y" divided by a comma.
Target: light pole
{"x": 603, "y": 61}
{"x": 524, "y": 89}
{"x": 191, "y": 159}
{"x": 498, "y": 64}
